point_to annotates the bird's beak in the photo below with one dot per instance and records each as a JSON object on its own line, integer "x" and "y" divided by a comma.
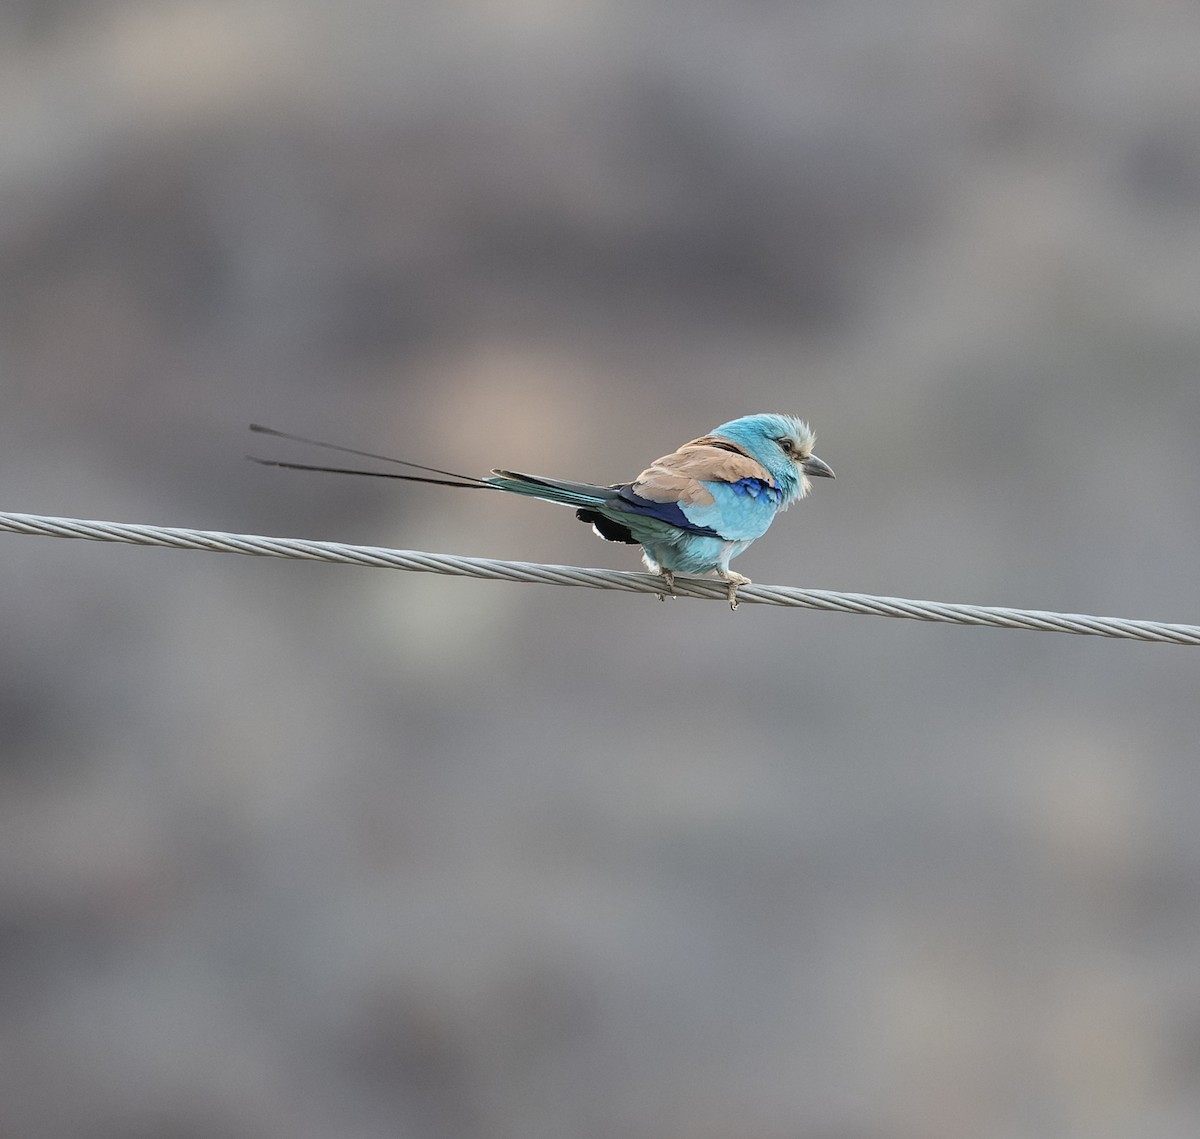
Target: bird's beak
{"x": 815, "y": 467}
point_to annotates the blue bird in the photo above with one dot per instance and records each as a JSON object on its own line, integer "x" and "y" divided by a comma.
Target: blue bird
{"x": 691, "y": 511}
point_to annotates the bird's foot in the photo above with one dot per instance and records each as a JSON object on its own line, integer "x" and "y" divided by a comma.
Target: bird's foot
{"x": 668, "y": 577}
{"x": 733, "y": 580}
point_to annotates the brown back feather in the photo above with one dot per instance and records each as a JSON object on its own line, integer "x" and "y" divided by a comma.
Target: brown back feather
{"x": 677, "y": 477}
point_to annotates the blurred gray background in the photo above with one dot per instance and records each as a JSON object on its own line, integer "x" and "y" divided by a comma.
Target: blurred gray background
{"x": 301, "y": 851}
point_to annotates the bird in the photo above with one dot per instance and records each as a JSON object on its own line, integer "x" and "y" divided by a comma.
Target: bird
{"x": 691, "y": 511}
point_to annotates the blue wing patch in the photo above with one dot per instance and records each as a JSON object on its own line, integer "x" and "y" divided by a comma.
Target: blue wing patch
{"x": 630, "y": 502}
{"x": 757, "y": 488}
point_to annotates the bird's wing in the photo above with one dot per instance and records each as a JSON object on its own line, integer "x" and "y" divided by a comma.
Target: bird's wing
{"x": 680, "y": 476}
{"x": 636, "y": 518}
{"x": 551, "y": 490}
{"x": 715, "y": 486}
{"x": 646, "y": 517}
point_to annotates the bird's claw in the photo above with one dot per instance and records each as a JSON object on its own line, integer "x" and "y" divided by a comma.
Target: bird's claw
{"x": 734, "y": 580}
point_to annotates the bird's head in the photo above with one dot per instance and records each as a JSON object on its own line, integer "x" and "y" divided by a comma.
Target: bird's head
{"x": 784, "y": 445}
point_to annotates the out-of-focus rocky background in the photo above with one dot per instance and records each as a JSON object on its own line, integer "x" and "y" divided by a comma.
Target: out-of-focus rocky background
{"x": 299, "y": 851}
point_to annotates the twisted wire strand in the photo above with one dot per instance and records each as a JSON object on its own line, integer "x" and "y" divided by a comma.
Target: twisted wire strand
{"x": 253, "y": 545}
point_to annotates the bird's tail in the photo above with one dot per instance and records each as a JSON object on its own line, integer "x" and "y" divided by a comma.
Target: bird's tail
{"x": 576, "y": 494}
{"x": 449, "y": 478}
{"x": 552, "y": 490}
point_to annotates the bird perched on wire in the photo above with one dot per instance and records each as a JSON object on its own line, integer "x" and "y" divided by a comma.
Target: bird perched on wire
{"x": 691, "y": 511}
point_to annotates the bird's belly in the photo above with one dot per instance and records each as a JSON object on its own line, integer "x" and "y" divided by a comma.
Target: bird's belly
{"x": 692, "y": 553}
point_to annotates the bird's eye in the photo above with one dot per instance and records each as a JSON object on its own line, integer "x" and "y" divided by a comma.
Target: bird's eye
{"x": 786, "y": 445}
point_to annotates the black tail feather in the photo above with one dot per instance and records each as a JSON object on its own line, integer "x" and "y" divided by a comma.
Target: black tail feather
{"x": 369, "y": 474}
{"x": 469, "y": 481}
{"x": 606, "y": 527}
